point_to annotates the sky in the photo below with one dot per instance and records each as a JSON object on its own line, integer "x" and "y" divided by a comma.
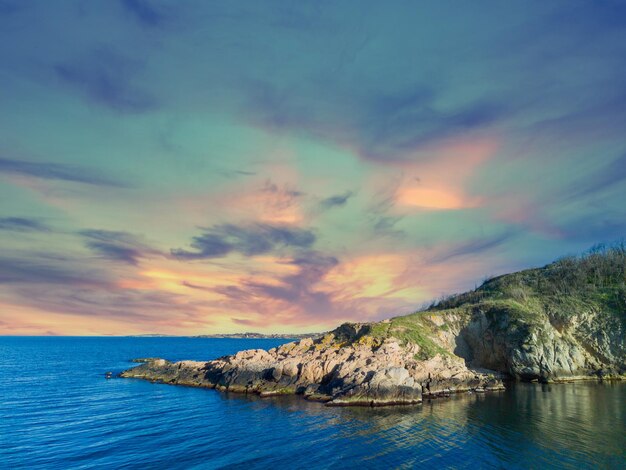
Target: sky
{"x": 216, "y": 167}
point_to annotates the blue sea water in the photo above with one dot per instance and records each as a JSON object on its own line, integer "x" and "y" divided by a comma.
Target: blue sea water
{"x": 58, "y": 411}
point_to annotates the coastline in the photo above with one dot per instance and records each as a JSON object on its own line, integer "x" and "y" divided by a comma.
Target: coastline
{"x": 168, "y": 379}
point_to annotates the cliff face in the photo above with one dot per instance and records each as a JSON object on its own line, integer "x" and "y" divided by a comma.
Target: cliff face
{"x": 536, "y": 345}
{"x": 562, "y": 322}
{"x": 567, "y": 320}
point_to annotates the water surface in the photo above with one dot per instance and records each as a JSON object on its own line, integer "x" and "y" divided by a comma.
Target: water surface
{"x": 57, "y": 411}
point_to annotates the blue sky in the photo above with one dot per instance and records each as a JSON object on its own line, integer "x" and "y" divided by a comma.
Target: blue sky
{"x": 196, "y": 167}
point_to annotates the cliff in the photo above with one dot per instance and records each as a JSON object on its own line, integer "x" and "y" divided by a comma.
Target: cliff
{"x": 563, "y": 322}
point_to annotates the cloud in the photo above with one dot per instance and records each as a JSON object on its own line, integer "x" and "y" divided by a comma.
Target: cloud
{"x": 105, "y": 77}
{"x": 297, "y": 291}
{"x": 349, "y": 111}
{"x": 145, "y": 12}
{"x": 56, "y": 171}
{"x": 243, "y": 321}
{"x": 606, "y": 178}
{"x": 298, "y": 288}
{"x": 380, "y": 128}
{"x": 473, "y": 247}
{"x": 88, "y": 302}
{"x": 9, "y": 7}
{"x": 117, "y": 246}
{"x": 234, "y": 173}
{"x": 194, "y": 286}
{"x": 594, "y": 226}
{"x": 381, "y": 216}
{"x": 41, "y": 270}
{"x": 360, "y": 95}
{"x": 336, "y": 201}
{"x": 251, "y": 240}
{"x": 21, "y": 224}
{"x": 585, "y": 208}
{"x": 51, "y": 284}
{"x": 286, "y": 193}
{"x": 271, "y": 203}
{"x": 318, "y": 292}
{"x": 115, "y": 252}
{"x": 407, "y": 126}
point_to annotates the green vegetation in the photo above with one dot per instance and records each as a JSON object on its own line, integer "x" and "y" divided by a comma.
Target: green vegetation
{"x": 410, "y": 329}
{"x": 594, "y": 281}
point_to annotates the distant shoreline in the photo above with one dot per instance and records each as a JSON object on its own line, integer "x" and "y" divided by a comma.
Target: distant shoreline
{"x": 156, "y": 335}
{"x": 235, "y": 336}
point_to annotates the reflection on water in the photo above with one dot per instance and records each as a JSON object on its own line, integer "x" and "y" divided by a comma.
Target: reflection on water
{"x": 57, "y": 411}
{"x": 569, "y": 422}
{"x": 537, "y": 425}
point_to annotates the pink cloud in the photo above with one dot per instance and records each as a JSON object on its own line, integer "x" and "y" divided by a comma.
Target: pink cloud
{"x": 437, "y": 177}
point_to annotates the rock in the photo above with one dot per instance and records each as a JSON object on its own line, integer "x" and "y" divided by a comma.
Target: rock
{"x": 290, "y": 367}
{"x": 347, "y": 375}
{"x": 397, "y": 374}
{"x": 471, "y": 342}
{"x": 277, "y": 372}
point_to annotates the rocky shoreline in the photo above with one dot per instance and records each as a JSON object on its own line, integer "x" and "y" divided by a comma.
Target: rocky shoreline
{"x": 561, "y": 323}
{"x": 365, "y": 381}
{"x": 345, "y": 367}
{"x": 407, "y": 359}
{"x": 334, "y": 369}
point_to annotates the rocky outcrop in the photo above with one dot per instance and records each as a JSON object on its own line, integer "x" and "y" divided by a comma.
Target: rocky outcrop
{"x": 586, "y": 344}
{"x": 525, "y": 326}
{"x": 343, "y": 367}
{"x": 379, "y": 364}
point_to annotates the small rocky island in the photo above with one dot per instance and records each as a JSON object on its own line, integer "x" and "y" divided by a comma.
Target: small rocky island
{"x": 559, "y": 323}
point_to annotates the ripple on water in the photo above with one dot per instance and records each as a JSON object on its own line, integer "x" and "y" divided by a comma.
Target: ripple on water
{"x": 57, "y": 411}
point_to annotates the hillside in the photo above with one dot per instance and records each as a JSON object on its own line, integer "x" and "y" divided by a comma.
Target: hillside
{"x": 565, "y": 321}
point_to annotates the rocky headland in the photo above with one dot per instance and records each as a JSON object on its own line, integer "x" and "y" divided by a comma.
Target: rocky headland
{"x": 559, "y": 323}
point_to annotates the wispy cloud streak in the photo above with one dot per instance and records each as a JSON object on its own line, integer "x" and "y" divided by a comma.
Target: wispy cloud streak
{"x": 57, "y": 171}
{"x": 220, "y": 240}
{"x": 23, "y": 224}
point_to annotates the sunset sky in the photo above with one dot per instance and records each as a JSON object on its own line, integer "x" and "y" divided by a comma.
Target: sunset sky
{"x": 204, "y": 167}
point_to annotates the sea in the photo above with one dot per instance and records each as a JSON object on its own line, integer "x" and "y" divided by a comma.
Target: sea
{"x": 57, "y": 410}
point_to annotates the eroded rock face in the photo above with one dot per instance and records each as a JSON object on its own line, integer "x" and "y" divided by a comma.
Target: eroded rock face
{"x": 470, "y": 346}
{"x": 328, "y": 370}
{"x": 545, "y": 348}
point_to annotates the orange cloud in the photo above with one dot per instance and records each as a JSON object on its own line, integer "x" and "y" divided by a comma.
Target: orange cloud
{"x": 24, "y": 320}
{"x": 272, "y": 203}
{"x": 436, "y": 178}
{"x": 434, "y": 198}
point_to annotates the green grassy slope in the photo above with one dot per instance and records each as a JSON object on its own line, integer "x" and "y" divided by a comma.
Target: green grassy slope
{"x": 521, "y": 302}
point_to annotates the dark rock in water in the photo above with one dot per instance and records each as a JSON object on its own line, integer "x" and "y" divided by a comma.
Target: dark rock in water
{"x": 108, "y": 375}
{"x": 519, "y": 326}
